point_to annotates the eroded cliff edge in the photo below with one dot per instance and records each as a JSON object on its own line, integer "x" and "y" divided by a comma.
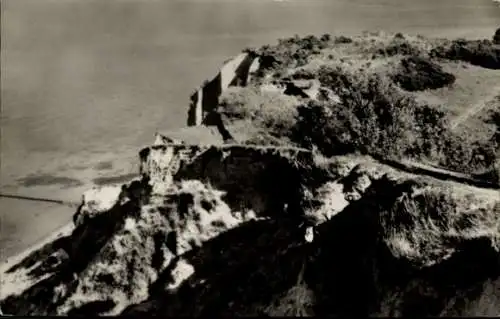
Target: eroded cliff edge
{"x": 219, "y": 230}
{"x": 388, "y": 242}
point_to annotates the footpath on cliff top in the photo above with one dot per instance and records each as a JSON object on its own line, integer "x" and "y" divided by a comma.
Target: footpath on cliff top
{"x": 355, "y": 138}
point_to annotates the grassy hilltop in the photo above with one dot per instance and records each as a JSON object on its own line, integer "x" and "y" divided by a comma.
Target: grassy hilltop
{"x": 435, "y": 101}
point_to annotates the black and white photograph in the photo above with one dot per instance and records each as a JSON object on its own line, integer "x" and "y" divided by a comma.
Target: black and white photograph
{"x": 250, "y": 158}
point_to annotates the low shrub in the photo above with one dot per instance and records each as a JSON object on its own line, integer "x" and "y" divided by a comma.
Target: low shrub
{"x": 482, "y": 53}
{"x": 298, "y": 301}
{"x": 398, "y": 46}
{"x": 304, "y": 74}
{"x": 496, "y": 37}
{"x": 318, "y": 127}
{"x": 417, "y": 74}
{"x": 290, "y": 52}
{"x": 431, "y": 127}
{"x": 343, "y": 39}
{"x": 495, "y": 119}
{"x": 470, "y": 157}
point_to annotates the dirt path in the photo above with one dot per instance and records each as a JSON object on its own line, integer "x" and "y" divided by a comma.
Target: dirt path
{"x": 478, "y": 107}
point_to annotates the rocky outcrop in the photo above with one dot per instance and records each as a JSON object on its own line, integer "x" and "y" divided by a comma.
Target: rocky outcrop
{"x": 263, "y": 179}
{"x": 202, "y": 135}
{"x": 96, "y": 201}
{"x": 162, "y": 140}
{"x": 152, "y": 240}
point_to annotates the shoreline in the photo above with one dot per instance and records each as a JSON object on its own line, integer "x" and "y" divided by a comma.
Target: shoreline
{"x": 36, "y": 222}
{"x": 59, "y": 232}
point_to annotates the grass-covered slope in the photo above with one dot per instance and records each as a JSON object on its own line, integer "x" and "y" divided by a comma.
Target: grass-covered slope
{"x": 395, "y": 96}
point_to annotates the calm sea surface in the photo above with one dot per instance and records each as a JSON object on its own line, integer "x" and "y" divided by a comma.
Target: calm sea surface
{"x": 86, "y": 83}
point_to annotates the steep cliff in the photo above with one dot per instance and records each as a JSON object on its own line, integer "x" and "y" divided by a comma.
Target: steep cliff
{"x": 216, "y": 227}
{"x": 203, "y": 217}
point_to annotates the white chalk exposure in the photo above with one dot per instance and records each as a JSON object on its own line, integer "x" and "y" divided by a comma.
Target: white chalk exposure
{"x": 98, "y": 200}
{"x": 183, "y": 270}
{"x": 309, "y": 237}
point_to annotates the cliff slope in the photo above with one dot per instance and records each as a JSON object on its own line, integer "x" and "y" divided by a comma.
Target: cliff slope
{"x": 217, "y": 226}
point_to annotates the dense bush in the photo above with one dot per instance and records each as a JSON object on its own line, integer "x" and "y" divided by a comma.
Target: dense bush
{"x": 495, "y": 119}
{"x": 482, "y": 53}
{"x": 455, "y": 150}
{"x": 496, "y": 37}
{"x": 494, "y": 172}
{"x": 290, "y": 52}
{"x": 430, "y": 140}
{"x": 417, "y": 74}
{"x": 303, "y": 74}
{"x": 398, "y": 45}
{"x": 318, "y": 127}
{"x": 343, "y": 39}
{"x": 372, "y": 117}
{"x": 490, "y": 150}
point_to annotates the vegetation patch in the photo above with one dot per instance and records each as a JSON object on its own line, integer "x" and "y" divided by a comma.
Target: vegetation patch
{"x": 417, "y": 74}
{"x": 271, "y": 112}
{"x": 290, "y": 52}
{"x": 372, "y": 115}
{"x": 399, "y": 45}
{"x": 484, "y": 53}
{"x": 372, "y": 98}
{"x": 375, "y": 117}
{"x": 496, "y": 37}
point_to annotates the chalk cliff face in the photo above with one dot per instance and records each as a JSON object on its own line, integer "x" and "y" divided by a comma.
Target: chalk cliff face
{"x": 263, "y": 179}
{"x": 218, "y": 229}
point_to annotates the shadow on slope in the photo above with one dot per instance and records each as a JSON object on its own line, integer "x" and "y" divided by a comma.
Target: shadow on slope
{"x": 357, "y": 273}
{"x": 404, "y": 248}
{"x": 60, "y": 262}
{"x": 349, "y": 269}
{"x": 261, "y": 261}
